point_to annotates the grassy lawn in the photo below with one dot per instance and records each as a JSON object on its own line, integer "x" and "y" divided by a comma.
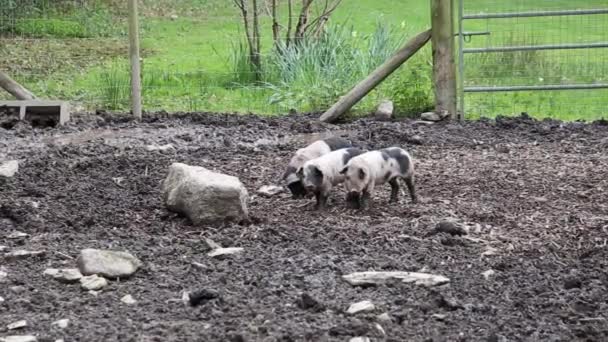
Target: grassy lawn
{"x": 191, "y": 61}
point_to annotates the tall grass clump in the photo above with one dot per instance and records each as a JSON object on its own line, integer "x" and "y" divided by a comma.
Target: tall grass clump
{"x": 312, "y": 75}
{"x": 114, "y": 86}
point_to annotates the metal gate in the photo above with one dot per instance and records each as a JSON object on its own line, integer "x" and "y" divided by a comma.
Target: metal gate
{"x": 544, "y": 57}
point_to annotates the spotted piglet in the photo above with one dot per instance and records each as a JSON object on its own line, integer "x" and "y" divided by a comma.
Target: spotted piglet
{"x": 320, "y": 175}
{"x": 368, "y": 170}
{"x": 312, "y": 151}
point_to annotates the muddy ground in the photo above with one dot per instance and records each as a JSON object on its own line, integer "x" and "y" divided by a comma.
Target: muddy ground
{"x": 534, "y": 196}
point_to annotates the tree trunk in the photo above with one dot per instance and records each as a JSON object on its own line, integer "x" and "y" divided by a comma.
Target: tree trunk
{"x": 289, "y": 23}
{"x": 275, "y": 26}
{"x": 14, "y": 88}
{"x": 256, "y": 60}
{"x": 302, "y": 21}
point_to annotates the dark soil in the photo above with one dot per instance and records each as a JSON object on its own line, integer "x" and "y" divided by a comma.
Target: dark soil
{"x": 533, "y": 197}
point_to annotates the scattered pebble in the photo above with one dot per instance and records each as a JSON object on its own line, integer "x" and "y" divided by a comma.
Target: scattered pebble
{"x": 66, "y": 275}
{"x": 110, "y": 264}
{"x": 17, "y": 325}
{"x": 9, "y": 169}
{"x": 440, "y": 317}
{"x": 224, "y": 251}
{"x": 363, "y": 306}
{"x": 270, "y": 190}
{"x": 360, "y": 339}
{"x": 93, "y": 282}
{"x": 24, "y": 338}
{"x": 3, "y": 248}
{"x": 1, "y": 300}
{"x": 22, "y": 254}
{"x": 3, "y": 276}
{"x": 161, "y": 148}
{"x": 380, "y": 329}
{"x": 307, "y": 302}
{"x": 490, "y": 251}
{"x": 61, "y": 324}
{"x": 385, "y": 317}
{"x": 450, "y": 227}
{"x": 128, "y": 299}
{"x": 16, "y": 235}
{"x": 487, "y": 274}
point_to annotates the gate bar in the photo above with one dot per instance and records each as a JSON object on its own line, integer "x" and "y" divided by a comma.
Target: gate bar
{"x": 460, "y": 111}
{"x": 535, "y": 14}
{"x": 537, "y": 47}
{"x": 541, "y": 87}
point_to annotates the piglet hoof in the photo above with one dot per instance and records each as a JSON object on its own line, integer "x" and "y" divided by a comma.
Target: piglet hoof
{"x": 393, "y": 200}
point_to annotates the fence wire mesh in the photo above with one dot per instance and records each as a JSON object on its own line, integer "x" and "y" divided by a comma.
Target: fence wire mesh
{"x": 549, "y": 58}
{"x": 195, "y": 55}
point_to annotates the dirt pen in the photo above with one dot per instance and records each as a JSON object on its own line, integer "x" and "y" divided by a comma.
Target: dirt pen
{"x": 533, "y": 196}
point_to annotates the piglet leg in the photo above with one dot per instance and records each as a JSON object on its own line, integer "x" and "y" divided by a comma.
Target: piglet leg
{"x": 409, "y": 181}
{"x": 394, "y": 190}
{"x": 321, "y": 201}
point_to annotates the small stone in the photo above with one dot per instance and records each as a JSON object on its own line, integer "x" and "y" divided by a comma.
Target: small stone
{"x": 270, "y": 190}
{"x": 16, "y": 235}
{"x": 416, "y": 140}
{"x": 93, "y": 282}
{"x": 22, "y": 254}
{"x": 66, "y": 275}
{"x": 432, "y": 116}
{"x": 9, "y": 169}
{"x": 363, "y": 306}
{"x": 17, "y": 325}
{"x": 380, "y": 329}
{"x": 450, "y": 227}
{"x": 17, "y": 289}
{"x": 1, "y": 300}
{"x": 490, "y": 251}
{"x": 439, "y": 317}
{"x": 110, "y": 264}
{"x": 3, "y": 276}
{"x": 128, "y": 299}
{"x": 24, "y": 338}
{"x": 385, "y": 317}
{"x": 3, "y": 248}
{"x": 224, "y": 251}
{"x": 173, "y": 17}
{"x": 61, "y": 324}
{"x": 161, "y": 148}
{"x": 487, "y": 274}
{"x": 384, "y": 111}
{"x": 360, "y": 339}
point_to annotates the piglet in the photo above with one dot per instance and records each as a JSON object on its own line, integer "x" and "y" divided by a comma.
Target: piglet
{"x": 312, "y": 151}
{"x": 368, "y": 170}
{"x": 320, "y": 175}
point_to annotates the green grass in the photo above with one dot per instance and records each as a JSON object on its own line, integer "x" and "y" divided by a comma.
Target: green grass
{"x": 197, "y": 61}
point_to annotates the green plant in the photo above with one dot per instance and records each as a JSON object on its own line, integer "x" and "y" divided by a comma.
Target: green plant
{"x": 114, "y": 86}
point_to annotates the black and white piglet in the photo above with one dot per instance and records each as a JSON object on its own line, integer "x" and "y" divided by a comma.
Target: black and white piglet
{"x": 321, "y": 174}
{"x": 368, "y": 170}
{"x": 312, "y": 151}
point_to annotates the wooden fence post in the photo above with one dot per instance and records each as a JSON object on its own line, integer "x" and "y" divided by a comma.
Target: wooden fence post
{"x": 134, "y": 57}
{"x": 444, "y": 70}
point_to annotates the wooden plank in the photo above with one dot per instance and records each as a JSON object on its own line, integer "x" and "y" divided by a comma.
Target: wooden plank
{"x": 376, "y": 77}
{"x": 14, "y": 88}
{"x": 444, "y": 69}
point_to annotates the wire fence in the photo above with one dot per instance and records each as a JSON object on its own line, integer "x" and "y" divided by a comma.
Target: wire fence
{"x": 545, "y": 58}
{"x": 195, "y": 56}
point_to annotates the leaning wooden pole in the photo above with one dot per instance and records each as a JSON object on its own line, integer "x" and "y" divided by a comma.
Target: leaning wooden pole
{"x": 134, "y": 57}
{"x": 376, "y": 77}
{"x": 444, "y": 68}
{"x": 14, "y": 88}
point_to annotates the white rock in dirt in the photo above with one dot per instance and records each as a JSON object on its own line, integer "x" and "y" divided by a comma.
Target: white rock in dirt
{"x": 3, "y": 276}
{"x": 17, "y": 325}
{"x": 110, "y": 264}
{"x": 22, "y": 254}
{"x": 270, "y": 190}
{"x": 385, "y": 317}
{"x": 128, "y": 299}
{"x": 93, "y": 282}
{"x": 384, "y": 111}
{"x": 61, "y": 324}
{"x": 66, "y": 275}
{"x": 224, "y": 251}
{"x": 370, "y": 278}
{"x": 9, "y": 169}
{"x": 1, "y": 300}
{"x": 432, "y": 116}
{"x": 24, "y": 338}
{"x": 173, "y": 17}
{"x": 360, "y": 339}
{"x": 3, "y": 248}
{"x": 205, "y": 197}
{"x": 161, "y": 148}
{"x": 487, "y": 274}
{"x": 490, "y": 251}
{"x": 363, "y": 306}
{"x": 16, "y": 235}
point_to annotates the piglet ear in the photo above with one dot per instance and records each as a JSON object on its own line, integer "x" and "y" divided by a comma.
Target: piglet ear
{"x": 300, "y": 172}
{"x": 343, "y": 172}
{"x": 361, "y": 174}
{"x": 318, "y": 172}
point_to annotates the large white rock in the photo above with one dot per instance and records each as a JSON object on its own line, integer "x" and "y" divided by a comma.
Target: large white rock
{"x": 9, "y": 169}
{"x": 204, "y": 196}
{"x": 66, "y": 275}
{"x": 14, "y": 338}
{"x": 110, "y": 264}
{"x": 384, "y": 111}
{"x": 362, "y": 306}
